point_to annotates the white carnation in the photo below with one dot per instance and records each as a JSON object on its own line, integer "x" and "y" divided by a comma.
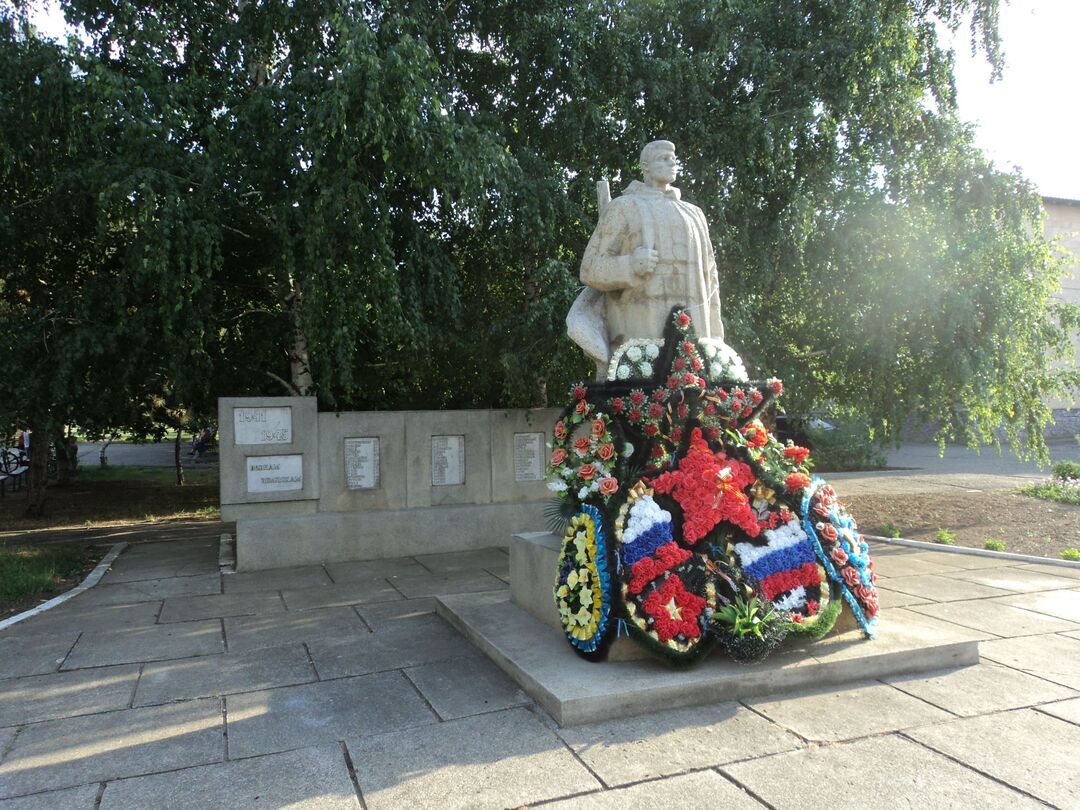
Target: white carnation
{"x": 633, "y": 354}
{"x": 710, "y": 350}
{"x": 583, "y": 493}
{"x": 652, "y": 351}
{"x": 645, "y": 369}
{"x": 557, "y": 486}
{"x": 623, "y": 372}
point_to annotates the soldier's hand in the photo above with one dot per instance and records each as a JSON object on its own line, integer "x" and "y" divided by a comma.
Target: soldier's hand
{"x": 644, "y": 260}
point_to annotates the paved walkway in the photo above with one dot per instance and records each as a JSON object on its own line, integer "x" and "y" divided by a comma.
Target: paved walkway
{"x": 171, "y": 685}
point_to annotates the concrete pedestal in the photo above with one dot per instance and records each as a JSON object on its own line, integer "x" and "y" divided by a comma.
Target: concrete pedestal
{"x": 520, "y": 633}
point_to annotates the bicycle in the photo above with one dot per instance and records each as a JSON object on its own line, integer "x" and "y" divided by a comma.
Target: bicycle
{"x": 11, "y": 460}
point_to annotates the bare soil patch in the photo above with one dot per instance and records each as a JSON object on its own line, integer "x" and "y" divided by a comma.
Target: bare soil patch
{"x": 1026, "y": 525}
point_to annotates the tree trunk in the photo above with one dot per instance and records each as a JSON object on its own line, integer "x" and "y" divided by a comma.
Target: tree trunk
{"x": 177, "y": 458}
{"x": 103, "y": 459}
{"x": 66, "y": 458}
{"x": 39, "y": 473}
{"x": 299, "y": 365}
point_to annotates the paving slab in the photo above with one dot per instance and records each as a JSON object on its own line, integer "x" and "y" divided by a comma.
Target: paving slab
{"x": 858, "y": 710}
{"x": 357, "y": 592}
{"x": 158, "y": 642}
{"x": 207, "y": 676}
{"x": 190, "y": 608}
{"x": 1060, "y": 604}
{"x": 704, "y": 790}
{"x": 1068, "y": 710}
{"x": 77, "y": 798}
{"x": 315, "y": 778}
{"x": 368, "y": 569}
{"x": 462, "y": 687}
{"x": 132, "y": 569}
{"x": 32, "y": 654}
{"x": 980, "y": 689}
{"x": 877, "y": 772}
{"x": 961, "y": 561}
{"x": 1026, "y": 749}
{"x": 1053, "y": 657}
{"x": 6, "y": 737}
{"x": 464, "y": 560}
{"x": 1053, "y": 570}
{"x": 281, "y": 719}
{"x": 670, "y": 742}
{"x": 894, "y": 566}
{"x": 894, "y": 599}
{"x": 1017, "y": 579}
{"x": 98, "y": 747}
{"x": 276, "y": 579}
{"x": 414, "y": 585}
{"x": 275, "y": 630}
{"x": 149, "y": 590}
{"x": 575, "y": 691}
{"x": 994, "y": 616}
{"x": 504, "y": 759}
{"x": 66, "y": 694}
{"x": 942, "y": 588}
{"x": 92, "y": 618}
{"x": 387, "y": 614}
{"x": 424, "y": 640}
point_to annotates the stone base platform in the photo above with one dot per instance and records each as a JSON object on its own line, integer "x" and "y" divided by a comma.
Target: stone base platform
{"x": 534, "y": 652}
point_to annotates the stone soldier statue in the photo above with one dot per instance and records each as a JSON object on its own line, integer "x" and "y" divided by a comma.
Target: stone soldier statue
{"x": 650, "y": 251}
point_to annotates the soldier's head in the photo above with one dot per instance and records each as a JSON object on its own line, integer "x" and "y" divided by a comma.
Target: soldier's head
{"x": 659, "y": 166}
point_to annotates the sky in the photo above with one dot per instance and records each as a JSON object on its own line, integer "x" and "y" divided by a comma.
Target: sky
{"x": 1029, "y": 118}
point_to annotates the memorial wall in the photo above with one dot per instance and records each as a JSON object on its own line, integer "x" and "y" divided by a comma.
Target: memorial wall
{"x": 306, "y": 487}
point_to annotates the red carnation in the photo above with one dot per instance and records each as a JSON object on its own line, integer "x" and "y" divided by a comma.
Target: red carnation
{"x": 776, "y": 386}
{"x": 617, "y": 405}
{"x": 679, "y": 364}
{"x": 796, "y": 453}
{"x": 634, "y": 415}
{"x": 676, "y": 435}
{"x": 579, "y": 392}
{"x": 659, "y": 395}
{"x": 688, "y": 347}
{"x": 656, "y": 410}
{"x": 710, "y": 409}
{"x": 683, "y": 320}
{"x": 684, "y": 411}
{"x": 722, "y": 394}
{"x": 673, "y": 382}
{"x": 756, "y": 397}
{"x": 796, "y": 481}
{"x": 651, "y": 430}
{"x": 695, "y": 364}
{"x": 637, "y": 397}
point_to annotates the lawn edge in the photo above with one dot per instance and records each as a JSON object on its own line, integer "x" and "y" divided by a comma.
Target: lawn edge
{"x": 91, "y": 580}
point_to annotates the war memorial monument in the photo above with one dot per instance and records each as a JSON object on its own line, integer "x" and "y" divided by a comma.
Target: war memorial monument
{"x": 683, "y": 523}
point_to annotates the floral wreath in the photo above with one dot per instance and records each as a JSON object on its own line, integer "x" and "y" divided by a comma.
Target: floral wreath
{"x": 583, "y": 467}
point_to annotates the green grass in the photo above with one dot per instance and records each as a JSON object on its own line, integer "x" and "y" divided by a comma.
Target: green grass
{"x": 945, "y": 537}
{"x": 889, "y": 530}
{"x": 994, "y": 545}
{"x": 1071, "y": 554}
{"x": 1054, "y": 490}
{"x": 149, "y": 475}
{"x": 25, "y": 572}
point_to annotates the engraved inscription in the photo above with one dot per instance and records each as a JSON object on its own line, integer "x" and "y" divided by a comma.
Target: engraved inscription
{"x": 275, "y": 473}
{"x": 528, "y": 461}
{"x": 447, "y": 461}
{"x": 262, "y": 425}
{"x": 362, "y": 463}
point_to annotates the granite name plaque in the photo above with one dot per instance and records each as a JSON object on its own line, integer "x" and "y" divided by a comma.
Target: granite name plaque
{"x": 275, "y": 473}
{"x": 262, "y": 425}
{"x": 362, "y": 463}
{"x": 447, "y": 461}
{"x": 528, "y": 458}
